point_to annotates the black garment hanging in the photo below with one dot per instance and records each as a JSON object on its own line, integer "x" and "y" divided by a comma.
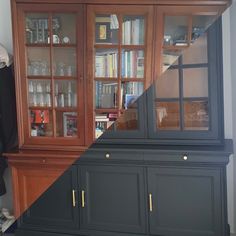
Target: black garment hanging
{"x": 8, "y": 123}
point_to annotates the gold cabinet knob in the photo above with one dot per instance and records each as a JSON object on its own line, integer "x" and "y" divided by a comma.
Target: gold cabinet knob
{"x": 185, "y": 157}
{"x": 107, "y": 155}
{"x": 44, "y": 161}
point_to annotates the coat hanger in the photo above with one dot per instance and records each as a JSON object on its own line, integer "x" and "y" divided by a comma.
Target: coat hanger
{"x": 5, "y": 57}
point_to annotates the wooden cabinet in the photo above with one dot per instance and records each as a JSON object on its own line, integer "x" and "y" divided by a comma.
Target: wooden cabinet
{"x": 57, "y": 208}
{"x": 185, "y": 201}
{"x": 114, "y": 199}
{"x": 81, "y": 64}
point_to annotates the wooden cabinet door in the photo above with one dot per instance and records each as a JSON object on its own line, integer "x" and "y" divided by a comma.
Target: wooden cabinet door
{"x": 114, "y": 199}
{"x": 185, "y": 201}
{"x": 55, "y": 209}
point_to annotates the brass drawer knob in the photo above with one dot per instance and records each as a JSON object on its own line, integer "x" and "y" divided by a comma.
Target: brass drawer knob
{"x": 107, "y": 155}
{"x": 185, "y": 157}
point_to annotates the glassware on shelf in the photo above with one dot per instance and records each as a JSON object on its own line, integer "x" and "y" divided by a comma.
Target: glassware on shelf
{"x": 36, "y": 29}
{"x": 39, "y": 93}
{"x": 65, "y": 93}
{"x": 64, "y": 62}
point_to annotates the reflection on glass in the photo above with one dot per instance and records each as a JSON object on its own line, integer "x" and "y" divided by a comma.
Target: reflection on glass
{"x": 106, "y": 61}
{"x": 39, "y": 93}
{"x": 197, "y": 53}
{"x": 169, "y": 57}
{"x": 167, "y": 85}
{"x": 36, "y": 66}
{"x": 65, "y": 93}
{"x": 66, "y": 124}
{"x": 168, "y": 114}
{"x": 103, "y": 121}
{"x": 200, "y": 25}
{"x": 133, "y": 29}
{"x": 176, "y": 31}
{"x": 132, "y": 64}
{"x": 64, "y": 62}
{"x": 41, "y": 123}
{"x": 128, "y": 120}
{"x": 195, "y": 82}
{"x": 131, "y": 91}
{"x": 36, "y": 28}
{"x": 106, "y": 29}
{"x": 106, "y": 94}
{"x": 196, "y": 115}
{"x": 64, "y": 28}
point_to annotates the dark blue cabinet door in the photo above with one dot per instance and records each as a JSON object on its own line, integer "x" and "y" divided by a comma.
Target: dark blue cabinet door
{"x": 186, "y": 202}
{"x": 54, "y": 209}
{"x": 114, "y": 199}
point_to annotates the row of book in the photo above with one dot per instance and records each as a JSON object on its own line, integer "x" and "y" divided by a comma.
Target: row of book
{"x": 106, "y": 65}
{"x": 133, "y": 31}
{"x": 132, "y": 64}
{"x": 106, "y": 94}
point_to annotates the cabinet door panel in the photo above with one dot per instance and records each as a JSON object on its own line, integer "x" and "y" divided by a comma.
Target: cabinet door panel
{"x": 186, "y": 202}
{"x": 114, "y": 199}
{"x": 54, "y": 209}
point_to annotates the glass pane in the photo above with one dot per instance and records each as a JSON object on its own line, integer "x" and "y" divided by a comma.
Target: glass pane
{"x": 200, "y": 25}
{"x": 167, "y": 85}
{"x": 106, "y": 94}
{"x": 64, "y": 62}
{"x": 41, "y": 123}
{"x": 131, "y": 91}
{"x": 168, "y": 115}
{"x": 66, "y": 124}
{"x": 176, "y": 31}
{"x": 196, "y": 115}
{"x": 39, "y": 93}
{"x": 36, "y": 66}
{"x": 195, "y": 82}
{"x": 64, "y": 28}
{"x": 128, "y": 120}
{"x": 133, "y": 29}
{"x": 106, "y": 29}
{"x": 169, "y": 57}
{"x": 103, "y": 121}
{"x": 65, "y": 93}
{"x": 106, "y": 61}
{"x": 197, "y": 53}
{"x": 36, "y": 28}
{"x": 132, "y": 64}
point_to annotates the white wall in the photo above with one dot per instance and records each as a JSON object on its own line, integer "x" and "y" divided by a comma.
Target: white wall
{"x": 229, "y": 38}
{"x": 6, "y": 40}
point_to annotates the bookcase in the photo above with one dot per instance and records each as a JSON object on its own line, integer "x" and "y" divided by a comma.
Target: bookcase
{"x": 120, "y": 70}
{"x": 80, "y": 65}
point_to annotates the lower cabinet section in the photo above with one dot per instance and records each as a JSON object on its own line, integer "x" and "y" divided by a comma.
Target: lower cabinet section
{"x": 186, "y": 202}
{"x": 115, "y": 199}
{"x": 112, "y": 198}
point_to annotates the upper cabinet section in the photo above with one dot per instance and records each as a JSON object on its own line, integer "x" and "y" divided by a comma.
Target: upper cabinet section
{"x": 81, "y": 65}
{"x": 51, "y": 74}
{"x": 119, "y": 68}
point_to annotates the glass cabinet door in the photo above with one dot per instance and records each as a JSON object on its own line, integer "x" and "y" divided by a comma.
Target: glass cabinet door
{"x": 120, "y": 71}
{"x": 184, "y": 99}
{"x": 54, "y": 75}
